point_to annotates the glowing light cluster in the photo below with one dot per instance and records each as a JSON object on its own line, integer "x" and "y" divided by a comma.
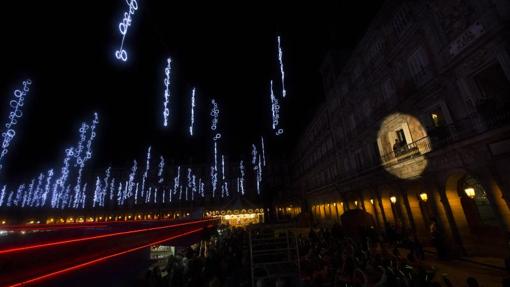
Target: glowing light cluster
{"x": 16, "y": 113}
{"x": 121, "y": 53}
{"x": 166, "y": 82}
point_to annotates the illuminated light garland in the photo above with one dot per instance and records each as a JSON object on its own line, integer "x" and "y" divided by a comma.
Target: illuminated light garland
{"x": 38, "y": 193}
{"x": 121, "y": 54}
{"x": 106, "y": 183}
{"x": 2, "y": 195}
{"x": 192, "y": 123}
{"x": 215, "y": 112}
{"x": 119, "y": 194}
{"x": 166, "y": 82}
{"x": 161, "y": 168}
{"x": 222, "y": 167}
{"x": 112, "y": 189}
{"x": 131, "y": 180}
{"x": 194, "y": 187}
{"x": 259, "y": 175}
{"x": 19, "y": 195}
{"x": 177, "y": 180}
{"x": 214, "y": 170}
{"x": 9, "y": 199}
{"x": 97, "y": 191}
{"x": 125, "y": 192}
{"x": 136, "y": 194}
{"x": 148, "y": 197}
{"x": 27, "y": 199}
{"x": 241, "y": 169}
{"x": 253, "y": 154}
{"x": 83, "y": 196}
{"x": 275, "y": 112}
{"x": 263, "y": 150}
{"x": 47, "y": 188}
{"x": 16, "y": 113}
{"x": 280, "y": 59}
{"x": 145, "y": 173}
{"x": 202, "y": 188}
{"x": 155, "y": 195}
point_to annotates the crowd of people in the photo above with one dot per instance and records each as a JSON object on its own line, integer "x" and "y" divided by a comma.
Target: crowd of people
{"x": 217, "y": 261}
{"x": 327, "y": 257}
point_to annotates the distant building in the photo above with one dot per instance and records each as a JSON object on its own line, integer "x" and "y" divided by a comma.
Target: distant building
{"x": 415, "y": 126}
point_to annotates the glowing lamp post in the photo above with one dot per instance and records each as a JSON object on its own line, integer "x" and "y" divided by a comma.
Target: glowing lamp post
{"x": 470, "y": 192}
{"x": 393, "y": 199}
{"x": 424, "y": 196}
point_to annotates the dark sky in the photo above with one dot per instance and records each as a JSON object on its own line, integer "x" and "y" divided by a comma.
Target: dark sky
{"x": 227, "y": 49}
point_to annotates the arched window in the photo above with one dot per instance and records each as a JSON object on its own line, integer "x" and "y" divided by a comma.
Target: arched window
{"x": 472, "y": 189}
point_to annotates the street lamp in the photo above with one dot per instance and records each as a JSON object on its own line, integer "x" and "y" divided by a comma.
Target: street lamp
{"x": 372, "y": 201}
{"x": 470, "y": 192}
{"x": 424, "y": 197}
{"x": 393, "y": 199}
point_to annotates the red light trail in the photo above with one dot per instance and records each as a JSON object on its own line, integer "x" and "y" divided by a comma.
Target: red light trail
{"x": 63, "y": 242}
{"x": 98, "y": 260}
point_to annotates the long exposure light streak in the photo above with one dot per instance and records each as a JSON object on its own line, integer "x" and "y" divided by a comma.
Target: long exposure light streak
{"x": 101, "y": 259}
{"x": 95, "y": 237}
{"x": 16, "y": 113}
{"x": 192, "y": 120}
{"x": 166, "y": 95}
{"x": 282, "y": 72}
{"x": 121, "y": 53}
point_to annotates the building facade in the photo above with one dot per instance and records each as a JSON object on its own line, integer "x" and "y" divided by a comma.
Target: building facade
{"x": 415, "y": 127}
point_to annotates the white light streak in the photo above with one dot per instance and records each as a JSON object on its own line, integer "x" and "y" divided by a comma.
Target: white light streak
{"x": 161, "y": 168}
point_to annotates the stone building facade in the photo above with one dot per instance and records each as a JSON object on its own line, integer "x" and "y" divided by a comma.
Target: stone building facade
{"x": 415, "y": 127}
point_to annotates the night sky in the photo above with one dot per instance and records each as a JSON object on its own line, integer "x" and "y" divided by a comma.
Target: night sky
{"x": 226, "y": 49}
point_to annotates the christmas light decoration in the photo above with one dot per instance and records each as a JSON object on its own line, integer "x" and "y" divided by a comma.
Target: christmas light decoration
{"x": 241, "y": 180}
{"x": 192, "y": 112}
{"x": 263, "y": 150}
{"x": 121, "y": 53}
{"x": 166, "y": 82}
{"x": 147, "y": 166}
{"x": 161, "y": 168}
{"x": 280, "y": 60}
{"x": 16, "y": 113}
{"x": 275, "y": 112}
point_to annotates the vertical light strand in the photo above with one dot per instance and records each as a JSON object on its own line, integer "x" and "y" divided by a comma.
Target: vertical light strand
{"x": 166, "y": 95}
{"x": 282, "y": 72}
{"x": 16, "y": 113}
{"x": 192, "y": 120}
{"x": 263, "y": 150}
